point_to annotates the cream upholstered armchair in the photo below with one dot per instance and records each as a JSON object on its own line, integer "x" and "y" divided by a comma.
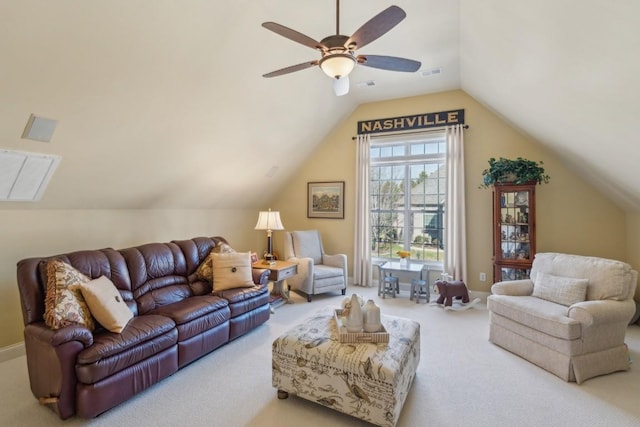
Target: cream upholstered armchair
{"x": 570, "y": 318}
{"x": 317, "y": 271}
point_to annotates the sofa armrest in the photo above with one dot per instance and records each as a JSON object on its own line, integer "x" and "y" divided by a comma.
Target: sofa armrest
{"x": 338, "y": 260}
{"x": 54, "y": 338}
{"x": 602, "y": 311}
{"x": 519, "y": 288}
{"x": 51, "y": 361}
{"x": 260, "y": 275}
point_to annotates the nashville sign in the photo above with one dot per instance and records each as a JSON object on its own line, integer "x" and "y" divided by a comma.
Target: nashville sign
{"x": 419, "y": 121}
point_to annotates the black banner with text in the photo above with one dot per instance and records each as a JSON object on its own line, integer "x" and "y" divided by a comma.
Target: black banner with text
{"x": 418, "y": 121}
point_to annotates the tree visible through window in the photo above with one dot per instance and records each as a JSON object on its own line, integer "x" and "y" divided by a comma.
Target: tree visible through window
{"x": 407, "y": 189}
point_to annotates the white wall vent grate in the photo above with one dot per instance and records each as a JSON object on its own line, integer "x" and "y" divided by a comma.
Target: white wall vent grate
{"x": 24, "y": 176}
{"x": 432, "y": 72}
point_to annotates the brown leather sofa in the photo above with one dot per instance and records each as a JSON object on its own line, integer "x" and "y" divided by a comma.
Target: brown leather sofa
{"x": 177, "y": 319}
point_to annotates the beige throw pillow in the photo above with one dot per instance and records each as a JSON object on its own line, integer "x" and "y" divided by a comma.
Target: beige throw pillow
{"x": 232, "y": 270}
{"x": 204, "y": 271}
{"x": 106, "y": 304}
{"x": 561, "y": 290}
{"x": 64, "y": 304}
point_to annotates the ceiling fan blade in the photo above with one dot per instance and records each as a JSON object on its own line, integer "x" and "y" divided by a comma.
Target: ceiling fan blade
{"x": 391, "y": 63}
{"x": 293, "y": 35}
{"x": 376, "y": 27}
{"x": 341, "y": 86}
{"x": 291, "y": 69}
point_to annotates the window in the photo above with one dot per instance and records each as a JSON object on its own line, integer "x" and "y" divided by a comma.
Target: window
{"x": 407, "y": 193}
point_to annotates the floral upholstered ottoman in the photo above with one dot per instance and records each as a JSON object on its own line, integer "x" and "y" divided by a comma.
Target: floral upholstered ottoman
{"x": 367, "y": 381}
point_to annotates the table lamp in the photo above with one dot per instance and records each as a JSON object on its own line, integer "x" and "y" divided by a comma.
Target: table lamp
{"x": 268, "y": 220}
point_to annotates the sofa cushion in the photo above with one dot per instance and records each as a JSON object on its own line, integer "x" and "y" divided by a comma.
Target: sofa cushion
{"x": 196, "y": 315}
{"x": 232, "y": 270}
{"x": 143, "y": 337}
{"x": 562, "y": 290}
{"x": 189, "y": 309}
{"x": 242, "y": 300}
{"x": 64, "y": 304}
{"x": 106, "y": 304}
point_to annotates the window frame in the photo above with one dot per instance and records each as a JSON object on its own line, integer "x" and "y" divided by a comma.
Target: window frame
{"x": 407, "y": 161}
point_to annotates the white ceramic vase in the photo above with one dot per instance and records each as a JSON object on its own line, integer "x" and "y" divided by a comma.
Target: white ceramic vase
{"x": 371, "y": 317}
{"x": 354, "y": 318}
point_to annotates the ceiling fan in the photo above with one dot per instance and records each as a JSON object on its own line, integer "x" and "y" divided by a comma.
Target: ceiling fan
{"x": 338, "y": 57}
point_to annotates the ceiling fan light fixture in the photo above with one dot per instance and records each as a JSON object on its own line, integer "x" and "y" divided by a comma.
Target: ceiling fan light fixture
{"x": 337, "y": 65}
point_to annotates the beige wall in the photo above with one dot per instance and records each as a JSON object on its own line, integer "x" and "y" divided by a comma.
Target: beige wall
{"x": 30, "y": 233}
{"x": 571, "y": 216}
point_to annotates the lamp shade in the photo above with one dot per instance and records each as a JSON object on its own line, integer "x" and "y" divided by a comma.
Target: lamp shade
{"x": 268, "y": 220}
{"x": 337, "y": 65}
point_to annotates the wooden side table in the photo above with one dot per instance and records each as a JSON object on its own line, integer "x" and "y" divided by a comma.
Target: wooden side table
{"x": 280, "y": 270}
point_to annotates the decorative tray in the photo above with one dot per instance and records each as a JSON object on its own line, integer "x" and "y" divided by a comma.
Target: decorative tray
{"x": 358, "y": 337}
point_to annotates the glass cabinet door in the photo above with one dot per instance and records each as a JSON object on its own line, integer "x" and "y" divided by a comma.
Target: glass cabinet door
{"x": 514, "y": 231}
{"x": 514, "y": 226}
{"x": 512, "y": 273}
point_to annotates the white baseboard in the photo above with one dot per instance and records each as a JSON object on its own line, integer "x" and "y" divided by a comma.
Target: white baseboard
{"x": 12, "y": 351}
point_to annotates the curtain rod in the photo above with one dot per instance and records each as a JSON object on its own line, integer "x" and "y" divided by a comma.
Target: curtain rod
{"x": 353, "y": 138}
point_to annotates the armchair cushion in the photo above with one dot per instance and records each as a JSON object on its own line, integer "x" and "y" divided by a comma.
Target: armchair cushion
{"x": 538, "y": 314}
{"x": 307, "y": 245}
{"x": 561, "y": 290}
{"x": 608, "y": 279}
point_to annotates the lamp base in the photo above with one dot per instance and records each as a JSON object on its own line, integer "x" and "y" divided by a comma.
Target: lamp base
{"x": 269, "y": 262}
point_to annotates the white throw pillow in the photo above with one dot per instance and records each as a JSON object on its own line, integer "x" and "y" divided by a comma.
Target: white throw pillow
{"x": 561, "y": 290}
{"x": 106, "y": 304}
{"x": 204, "y": 271}
{"x": 232, "y": 270}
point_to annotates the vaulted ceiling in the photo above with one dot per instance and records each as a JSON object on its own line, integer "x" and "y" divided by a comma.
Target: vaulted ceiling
{"x": 158, "y": 102}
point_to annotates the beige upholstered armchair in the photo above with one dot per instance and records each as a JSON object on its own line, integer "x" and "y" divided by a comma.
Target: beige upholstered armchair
{"x": 317, "y": 271}
{"x": 570, "y": 318}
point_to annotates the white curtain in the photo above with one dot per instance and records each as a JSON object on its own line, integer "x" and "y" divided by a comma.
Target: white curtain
{"x": 362, "y": 243}
{"x": 455, "y": 255}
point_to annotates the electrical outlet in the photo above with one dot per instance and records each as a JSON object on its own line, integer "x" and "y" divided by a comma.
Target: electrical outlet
{"x": 483, "y": 277}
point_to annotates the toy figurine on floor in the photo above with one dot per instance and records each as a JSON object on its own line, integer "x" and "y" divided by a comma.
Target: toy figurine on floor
{"x": 450, "y": 289}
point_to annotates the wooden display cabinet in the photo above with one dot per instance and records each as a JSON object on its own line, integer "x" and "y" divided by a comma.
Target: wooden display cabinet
{"x": 514, "y": 231}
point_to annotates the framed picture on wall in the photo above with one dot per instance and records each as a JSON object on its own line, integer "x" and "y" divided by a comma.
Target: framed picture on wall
{"x": 325, "y": 199}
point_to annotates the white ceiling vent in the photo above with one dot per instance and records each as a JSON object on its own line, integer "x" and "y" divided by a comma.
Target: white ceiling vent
{"x": 24, "y": 176}
{"x": 431, "y": 72}
{"x": 367, "y": 83}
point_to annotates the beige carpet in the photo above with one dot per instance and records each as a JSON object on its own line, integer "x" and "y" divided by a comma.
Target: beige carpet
{"x": 462, "y": 380}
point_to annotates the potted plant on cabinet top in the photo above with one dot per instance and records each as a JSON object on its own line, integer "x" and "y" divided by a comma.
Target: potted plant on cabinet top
{"x": 518, "y": 171}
